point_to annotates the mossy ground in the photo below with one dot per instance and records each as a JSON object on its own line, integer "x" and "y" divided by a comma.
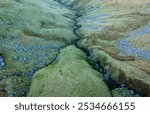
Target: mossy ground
{"x": 66, "y": 80}
{"x": 32, "y": 33}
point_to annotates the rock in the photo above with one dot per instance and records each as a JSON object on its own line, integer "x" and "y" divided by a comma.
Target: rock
{"x": 124, "y": 73}
{"x": 69, "y": 76}
{"x": 1, "y": 62}
{"x": 124, "y": 92}
{"x": 133, "y": 77}
{"x": 1, "y": 59}
{"x": 15, "y": 57}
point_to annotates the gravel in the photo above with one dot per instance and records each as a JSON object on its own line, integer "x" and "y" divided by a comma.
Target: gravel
{"x": 36, "y": 53}
{"x": 126, "y": 48}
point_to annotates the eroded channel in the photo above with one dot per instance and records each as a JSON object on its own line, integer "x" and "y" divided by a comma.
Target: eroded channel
{"x": 112, "y": 85}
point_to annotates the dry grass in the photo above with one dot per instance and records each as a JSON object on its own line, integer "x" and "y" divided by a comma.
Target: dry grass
{"x": 137, "y": 2}
{"x": 142, "y": 42}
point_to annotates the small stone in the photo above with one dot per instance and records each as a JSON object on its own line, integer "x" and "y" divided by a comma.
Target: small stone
{"x": 2, "y": 64}
{"x": 16, "y": 46}
{"x": 25, "y": 59}
{"x": 22, "y": 60}
{"x": 1, "y": 59}
{"x": 132, "y": 92}
{"x": 15, "y": 57}
{"x": 14, "y": 81}
{"x": 24, "y": 49}
{"x": 122, "y": 85}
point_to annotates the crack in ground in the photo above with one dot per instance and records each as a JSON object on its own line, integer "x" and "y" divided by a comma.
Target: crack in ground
{"x": 112, "y": 85}
{"x": 95, "y": 65}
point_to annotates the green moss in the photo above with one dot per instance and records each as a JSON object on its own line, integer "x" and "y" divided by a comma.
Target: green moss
{"x": 115, "y": 72}
{"x": 69, "y": 76}
{"x": 102, "y": 59}
{"x": 116, "y": 93}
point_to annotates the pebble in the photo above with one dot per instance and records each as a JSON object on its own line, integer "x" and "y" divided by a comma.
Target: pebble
{"x": 14, "y": 81}
{"x": 1, "y": 59}
{"x": 15, "y": 57}
{"x": 2, "y": 63}
{"x": 125, "y": 47}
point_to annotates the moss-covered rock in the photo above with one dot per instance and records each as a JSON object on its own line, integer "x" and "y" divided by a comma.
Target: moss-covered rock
{"x": 124, "y": 73}
{"x": 69, "y": 76}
